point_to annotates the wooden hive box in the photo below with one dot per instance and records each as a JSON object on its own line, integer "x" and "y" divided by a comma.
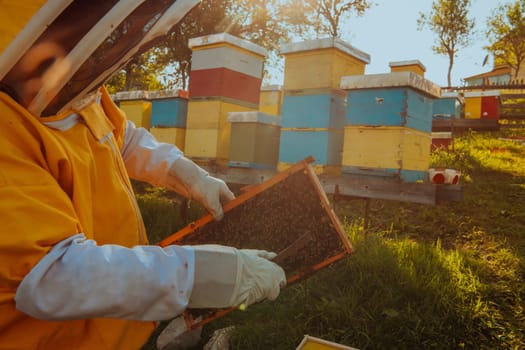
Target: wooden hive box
{"x": 473, "y": 104}
{"x": 408, "y": 66}
{"x": 320, "y": 63}
{"x": 271, "y": 99}
{"x": 490, "y": 104}
{"x": 208, "y": 132}
{"x": 325, "y": 145}
{"x": 391, "y": 99}
{"x": 169, "y": 108}
{"x": 314, "y": 108}
{"x": 448, "y": 106}
{"x": 441, "y": 140}
{"x": 174, "y": 136}
{"x": 226, "y": 66}
{"x": 288, "y": 214}
{"x": 254, "y": 141}
{"x": 136, "y": 106}
{"x": 388, "y": 151}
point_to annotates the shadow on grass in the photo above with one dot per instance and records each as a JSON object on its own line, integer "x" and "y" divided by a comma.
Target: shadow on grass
{"x": 387, "y": 295}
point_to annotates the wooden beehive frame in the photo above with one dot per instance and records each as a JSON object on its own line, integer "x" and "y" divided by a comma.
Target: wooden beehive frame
{"x": 301, "y": 244}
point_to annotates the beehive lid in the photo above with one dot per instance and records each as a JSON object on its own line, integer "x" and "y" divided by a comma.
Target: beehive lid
{"x": 174, "y": 93}
{"x": 485, "y": 93}
{"x": 288, "y": 214}
{"x": 326, "y": 43}
{"x": 131, "y": 95}
{"x": 225, "y": 38}
{"x": 389, "y": 80}
{"x": 408, "y": 63}
{"x": 450, "y": 94}
{"x": 271, "y": 87}
{"x": 254, "y": 117}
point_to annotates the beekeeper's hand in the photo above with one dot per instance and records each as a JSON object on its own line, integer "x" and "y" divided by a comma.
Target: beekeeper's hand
{"x": 229, "y": 277}
{"x": 193, "y": 182}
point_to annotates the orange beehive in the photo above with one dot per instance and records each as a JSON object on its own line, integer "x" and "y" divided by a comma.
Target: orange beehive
{"x": 288, "y": 214}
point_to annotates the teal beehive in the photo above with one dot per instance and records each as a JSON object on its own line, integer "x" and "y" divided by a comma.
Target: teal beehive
{"x": 447, "y": 106}
{"x": 394, "y": 99}
{"x": 169, "y": 108}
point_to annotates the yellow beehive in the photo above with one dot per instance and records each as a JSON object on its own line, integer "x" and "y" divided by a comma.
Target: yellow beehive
{"x": 136, "y": 106}
{"x": 321, "y": 63}
{"x": 408, "y": 66}
{"x": 174, "y": 136}
{"x": 387, "y": 149}
{"x": 208, "y": 131}
{"x": 472, "y": 105}
{"x": 313, "y": 343}
{"x": 271, "y": 99}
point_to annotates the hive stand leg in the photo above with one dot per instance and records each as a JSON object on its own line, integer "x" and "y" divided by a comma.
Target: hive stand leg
{"x": 366, "y": 214}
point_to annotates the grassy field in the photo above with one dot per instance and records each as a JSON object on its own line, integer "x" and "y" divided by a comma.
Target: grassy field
{"x": 450, "y": 276}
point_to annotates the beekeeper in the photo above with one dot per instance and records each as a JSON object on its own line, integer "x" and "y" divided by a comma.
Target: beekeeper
{"x": 75, "y": 268}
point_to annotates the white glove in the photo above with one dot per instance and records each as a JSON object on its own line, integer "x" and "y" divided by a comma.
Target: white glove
{"x": 229, "y": 277}
{"x": 193, "y": 182}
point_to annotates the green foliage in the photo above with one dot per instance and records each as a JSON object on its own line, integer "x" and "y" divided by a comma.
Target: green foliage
{"x": 164, "y": 212}
{"x": 449, "y": 20}
{"x": 506, "y": 34}
{"x": 321, "y": 17}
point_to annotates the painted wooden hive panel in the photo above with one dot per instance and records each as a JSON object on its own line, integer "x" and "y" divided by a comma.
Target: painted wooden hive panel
{"x": 170, "y": 112}
{"x": 208, "y": 132}
{"x": 389, "y": 107}
{"x": 409, "y": 68}
{"x": 222, "y": 82}
{"x": 270, "y": 101}
{"x": 211, "y": 113}
{"x": 441, "y": 140}
{"x": 314, "y": 109}
{"x": 473, "y": 107}
{"x": 255, "y": 138}
{"x": 490, "y": 107}
{"x": 201, "y": 143}
{"x": 174, "y": 136}
{"x": 289, "y": 214}
{"x": 324, "y": 145}
{"x": 319, "y": 69}
{"x": 386, "y": 151}
{"x": 446, "y": 107}
{"x": 138, "y": 111}
{"x": 236, "y": 60}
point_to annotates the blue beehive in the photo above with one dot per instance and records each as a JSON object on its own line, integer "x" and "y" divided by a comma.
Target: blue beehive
{"x": 325, "y": 146}
{"x": 169, "y": 108}
{"x": 393, "y": 99}
{"x": 448, "y": 106}
{"x": 313, "y": 125}
{"x": 314, "y": 109}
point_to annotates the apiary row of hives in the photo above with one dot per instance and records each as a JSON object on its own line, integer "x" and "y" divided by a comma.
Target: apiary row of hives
{"x": 328, "y": 108}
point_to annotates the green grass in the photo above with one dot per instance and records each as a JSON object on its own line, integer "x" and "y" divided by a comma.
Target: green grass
{"x": 450, "y": 276}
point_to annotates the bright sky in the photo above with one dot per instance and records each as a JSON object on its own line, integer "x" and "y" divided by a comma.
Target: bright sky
{"x": 388, "y": 32}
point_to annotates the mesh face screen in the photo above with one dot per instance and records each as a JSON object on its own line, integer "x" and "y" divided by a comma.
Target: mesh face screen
{"x": 122, "y": 40}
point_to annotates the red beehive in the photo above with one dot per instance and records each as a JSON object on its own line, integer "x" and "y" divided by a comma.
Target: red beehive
{"x": 288, "y": 214}
{"x": 490, "y": 105}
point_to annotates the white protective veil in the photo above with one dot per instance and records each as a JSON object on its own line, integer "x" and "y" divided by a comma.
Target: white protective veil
{"x": 102, "y": 36}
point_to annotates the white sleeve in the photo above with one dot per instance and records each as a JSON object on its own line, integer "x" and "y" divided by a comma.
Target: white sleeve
{"x": 79, "y": 279}
{"x": 145, "y": 158}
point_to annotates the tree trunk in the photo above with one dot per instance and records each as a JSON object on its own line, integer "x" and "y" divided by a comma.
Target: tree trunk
{"x": 450, "y": 65}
